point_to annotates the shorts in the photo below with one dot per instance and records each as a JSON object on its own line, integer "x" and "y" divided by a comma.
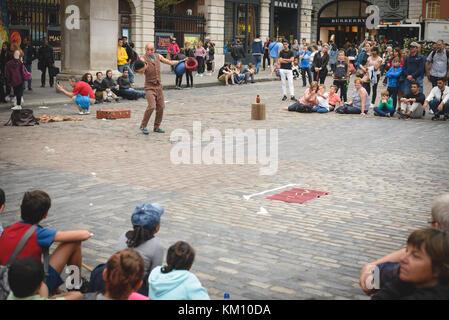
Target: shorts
{"x": 53, "y": 281}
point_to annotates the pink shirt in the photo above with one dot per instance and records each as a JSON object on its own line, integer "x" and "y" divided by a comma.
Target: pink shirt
{"x": 312, "y": 102}
{"x": 334, "y": 98}
{"x": 137, "y": 296}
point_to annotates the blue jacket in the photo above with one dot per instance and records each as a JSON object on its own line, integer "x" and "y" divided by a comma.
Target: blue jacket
{"x": 175, "y": 285}
{"x": 415, "y": 66}
{"x": 305, "y": 61}
{"x": 257, "y": 47}
{"x": 274, "y": 49}
{"x": 393, "y": 76}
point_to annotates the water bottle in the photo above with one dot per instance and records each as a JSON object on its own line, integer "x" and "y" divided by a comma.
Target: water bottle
{"x": 226, "y": 296}
{"x": 258, "y": 99}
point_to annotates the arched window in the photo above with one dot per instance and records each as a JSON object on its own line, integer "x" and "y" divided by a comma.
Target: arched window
{"x": 433, "y": 9}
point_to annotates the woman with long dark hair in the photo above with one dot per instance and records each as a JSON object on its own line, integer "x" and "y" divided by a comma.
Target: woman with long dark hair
{"x": 319, "y": 67}
{"x": 15, "y": 79}
{"x": 5, "y": 56}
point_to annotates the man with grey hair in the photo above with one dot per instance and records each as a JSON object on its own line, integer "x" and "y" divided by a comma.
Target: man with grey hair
{"x": 82, "y": 94}
{"x": 439, "y": 220}
{"x": 153, "y": 87}
{"x": 437, "y": 64}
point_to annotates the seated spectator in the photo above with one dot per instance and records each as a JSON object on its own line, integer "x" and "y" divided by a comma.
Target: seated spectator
{"x": 249, "y": 71}
{"x": 2, "y": 207}
{"x": 146, "y": 223}
{"x": 334, "y": 98}
{"x": 359, "y": 103}
{"x": 389, "y": 264}
{"x": 323, "y": 100}
{"x": 276, "y": 69}
{"x": 122, "y": 276}
{"x": 125, "y": 86}
{"x": 87, "y": 78}
{"x": 412, "y": 104}
{"x": 225, "y": 74}
{"x": 174, "y": 281}
{"x": 238, "y": 76}
{"x": 34, "y": 209}
{"x": 110, "y": 85}
{"x": 103, "y": 93}
{"x": 438, "y": 100}
{"x": 424, "y": 269}
{"x": 385, "y": 107}
{"x": 307, "y": 102}
{"x": 295, "y": 69}
{"x": 82, "y": 94}
{"x": 26, "y": 278}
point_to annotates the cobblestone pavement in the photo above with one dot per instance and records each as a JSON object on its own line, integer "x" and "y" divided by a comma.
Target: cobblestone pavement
{"x": 382, "y": 175}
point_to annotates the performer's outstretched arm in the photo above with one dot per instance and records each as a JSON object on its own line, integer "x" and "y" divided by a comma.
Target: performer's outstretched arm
{"x": 170, "y": 62}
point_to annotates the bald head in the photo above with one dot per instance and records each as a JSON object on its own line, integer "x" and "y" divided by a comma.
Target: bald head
{"x": 149, "y": 49}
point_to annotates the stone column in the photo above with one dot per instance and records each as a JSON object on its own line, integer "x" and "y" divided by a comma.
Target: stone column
{"x": 264, "y": 19}
{"x": 213, "y": 11}
{"x": 92, "y": 47}
{"x": 143, "y": 24}
{"x": 306, "y": 21}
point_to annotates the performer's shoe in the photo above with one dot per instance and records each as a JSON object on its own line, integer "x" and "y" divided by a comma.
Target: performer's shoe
{"x": 144, "y": 130}
{"x": 159, "y": 130}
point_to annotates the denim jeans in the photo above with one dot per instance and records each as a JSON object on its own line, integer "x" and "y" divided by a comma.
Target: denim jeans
{"x": 257, "y": 61}
{"x": 130, "y": 71}
{"x": 383, "y": 112}
{"x": 408, "y": 84}
{"x": 141, "y": 93}
{"x": 303, "y": 75}
{"x": 433, "y": 105}
{"x": 393, "y": 91}
{"x": 320, "y": 109}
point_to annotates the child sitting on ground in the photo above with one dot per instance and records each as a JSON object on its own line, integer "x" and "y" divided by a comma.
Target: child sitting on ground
{"x": 146, "y": 223}
{"x": 26, "y": 276}
{"x": 334, "y": 98}
{"x": 175, "y": 281}
{"x": 385, "y": 106}
{"x": 122, "y": 276}
{"x": 323, "y": 100}
{"x": 34, "y": 209}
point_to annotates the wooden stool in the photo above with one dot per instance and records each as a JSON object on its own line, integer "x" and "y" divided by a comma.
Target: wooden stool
{"x": 258, "y": 111}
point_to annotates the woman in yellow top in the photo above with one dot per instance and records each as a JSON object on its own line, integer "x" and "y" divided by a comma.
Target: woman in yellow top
{"x": 123, "y": 61}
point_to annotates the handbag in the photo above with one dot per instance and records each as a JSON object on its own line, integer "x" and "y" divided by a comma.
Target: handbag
{"x": 54, "y": 71}
{"x": 26, "y": 74}
{"x": 22, "y": 118}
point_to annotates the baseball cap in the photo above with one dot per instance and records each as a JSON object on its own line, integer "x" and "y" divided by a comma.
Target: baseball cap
{"x": 414, "y": 44}
{"x": 147, "y": 215}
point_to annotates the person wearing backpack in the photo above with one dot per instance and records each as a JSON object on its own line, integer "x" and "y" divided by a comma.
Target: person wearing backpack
{"x": 34, "y": 209}
{"x": 437, "y": 64}
{"x": 15, "y": 78}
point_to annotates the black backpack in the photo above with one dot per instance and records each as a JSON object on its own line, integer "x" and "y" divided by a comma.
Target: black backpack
{"x": 22, "y": 118}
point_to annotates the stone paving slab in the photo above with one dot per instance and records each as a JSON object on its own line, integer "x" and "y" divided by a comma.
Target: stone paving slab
{"x": 382, "y": 175}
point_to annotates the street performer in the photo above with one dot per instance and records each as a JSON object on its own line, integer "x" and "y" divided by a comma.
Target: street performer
{"x": 153, "y": 86}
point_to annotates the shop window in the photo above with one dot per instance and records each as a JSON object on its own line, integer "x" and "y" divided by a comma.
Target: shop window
{"x": 394, "y": 4}
{"x": 433, "y": 9}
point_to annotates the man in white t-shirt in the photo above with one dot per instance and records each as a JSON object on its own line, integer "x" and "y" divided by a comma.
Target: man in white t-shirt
{"x": 438, "y": 100}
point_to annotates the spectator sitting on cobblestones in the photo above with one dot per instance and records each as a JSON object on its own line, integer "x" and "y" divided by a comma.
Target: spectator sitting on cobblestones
{"x": 424, "y": 270}
{"x": 225, "y": 74}
{"x": 101, "y": 92}
{"x": 359, "y": 103}
{"x": 307, "y": 102}
{"x": 388, "y": 265}
{"x": 438, "y": 100}
{"x": 411, "y": 105}
{"x": 109, "y": 84}
{"x": 125, "y": 89}
{"x": 87, "y": 78}
{"x": 174, "y": 281}
{"x": 82, "y": 94}
{"x": 385, "y": 107}
{"x": 26, "y": 280}
{"x": 34, "y": 209}
{"x": 334, "y": 98}
{"x": 122, "y": 276}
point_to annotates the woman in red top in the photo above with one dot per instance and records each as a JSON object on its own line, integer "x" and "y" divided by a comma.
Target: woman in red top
{"x": 14, "y": 78}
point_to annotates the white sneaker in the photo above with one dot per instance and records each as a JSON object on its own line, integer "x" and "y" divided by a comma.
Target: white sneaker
{"x": 16, "y": 107}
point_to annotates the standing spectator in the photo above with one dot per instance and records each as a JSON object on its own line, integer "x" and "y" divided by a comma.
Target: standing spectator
{"x": 320, "y": 45}
{"x": 286, "y": 58}
{"x": 364, "y": 53}
{"x": 320, "y": 65}
{"x": 46, "y": 62}
{"x": 341, "y": 75}
{"x": 210, "y": 57}
{"x": 173, "y": 50}
{"x": 5, "y": 56}
{"x": 333, "y": 55}
{"x": 29, "y": 55}
{"x": 14, "y": 78}
{"x": 304, "y": 42}
{"x": 385, "y": 65}
{"x": 181, "y": 56}
{"x": 200, "y": 55}
{"x": 393, "y": 75}
{"x": 123, "y": 61}
{"x": 402, "y": 83}
{"x": 190, "y": 53}
{"x": 238, "y": 52}
{"x": 414, "y": 68}
{"x": 374, "y": 61}
{"x": 266, "y": 52}
{"x": 296, "y": 48}
{"x": 438, "y": 100}
{"x": 437, "y": 64}
{"x": 174, "y": 281}
{"x": 274, "y": 54}
{"x": 129, "y": 52}
{"x": 258, "y": 52}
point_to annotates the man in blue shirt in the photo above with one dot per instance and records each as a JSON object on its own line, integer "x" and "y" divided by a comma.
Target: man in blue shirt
{"x": 414, "y": 68}
{"x": 304, "y": 56}
{"x": 274, "y": 54}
